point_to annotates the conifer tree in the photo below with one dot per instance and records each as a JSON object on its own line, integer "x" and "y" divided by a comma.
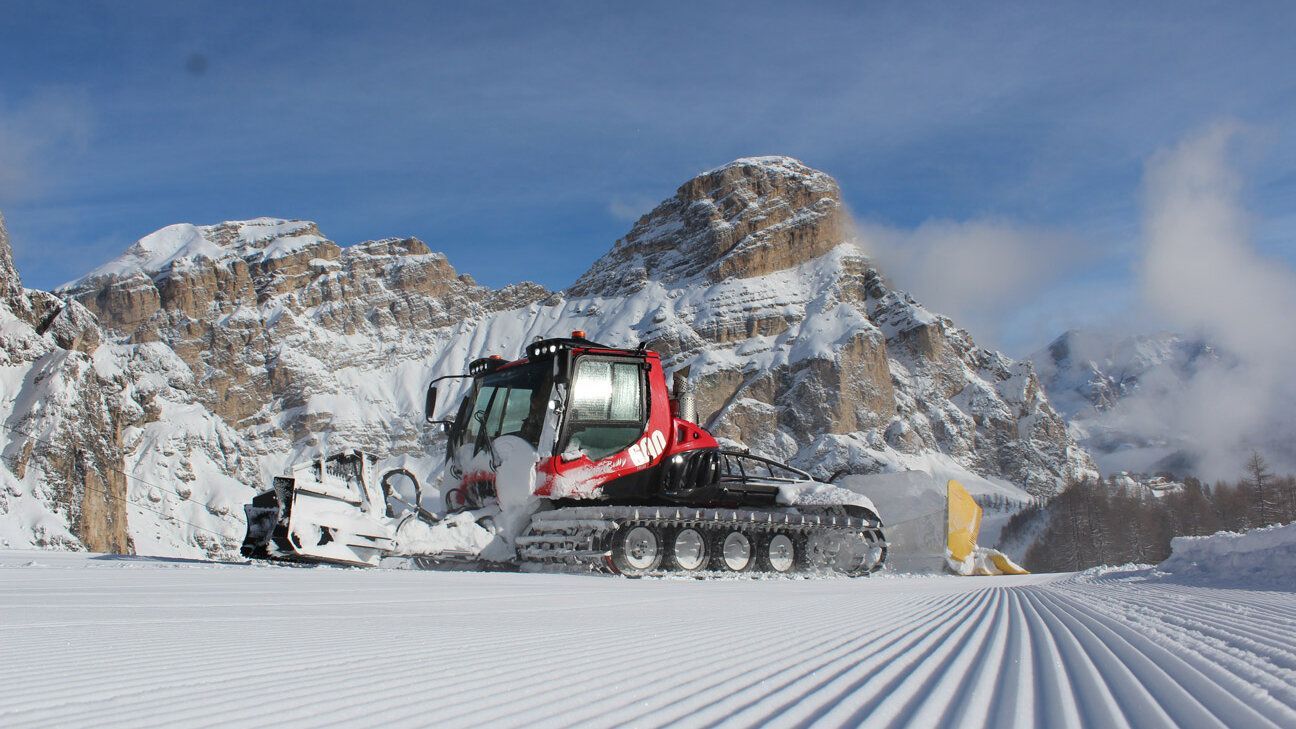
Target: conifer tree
{"x": 1259, "y": 482}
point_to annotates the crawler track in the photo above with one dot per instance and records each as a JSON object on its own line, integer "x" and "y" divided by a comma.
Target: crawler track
{"x": 587, "y": 538}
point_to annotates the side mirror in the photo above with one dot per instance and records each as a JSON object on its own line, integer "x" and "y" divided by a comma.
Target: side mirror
{"x": 429, "y": 404}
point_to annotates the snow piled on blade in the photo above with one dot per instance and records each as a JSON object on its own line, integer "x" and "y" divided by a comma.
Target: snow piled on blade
{"x": 984, "y": 562}
{"x": 465, "y": 534}
{"x": 1265, "y": 556}
{"x": 456, "y": 535}
{"x": 515, "y": 483}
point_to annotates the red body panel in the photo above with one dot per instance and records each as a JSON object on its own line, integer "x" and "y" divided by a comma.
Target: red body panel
{"x": 664, "y": 436}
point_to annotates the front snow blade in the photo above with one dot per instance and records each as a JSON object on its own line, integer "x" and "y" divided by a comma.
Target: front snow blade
{"x": 262, "y": 517}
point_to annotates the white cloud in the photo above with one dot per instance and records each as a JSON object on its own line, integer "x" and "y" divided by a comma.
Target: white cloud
{"x": 630, "y": 210}
{"x": 35, "y": 136}
{"x": 1199, "y": 273}
{"x": 981, "y": 273}
{"x": 1202, "y": 274}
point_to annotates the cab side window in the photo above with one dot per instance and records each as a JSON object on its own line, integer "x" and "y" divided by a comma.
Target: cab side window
{"x": 607, "y": 407}
{"x": 478, "y": 416}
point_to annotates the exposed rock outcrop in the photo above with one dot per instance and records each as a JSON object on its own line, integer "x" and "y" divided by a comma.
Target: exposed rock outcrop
{"x": 11, "y": 288}
{"x": 752, "y": 217}
{"x": 226, "y": 297}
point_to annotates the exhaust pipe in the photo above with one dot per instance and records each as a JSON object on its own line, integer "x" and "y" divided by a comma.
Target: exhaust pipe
{"x": 682, "y": 388}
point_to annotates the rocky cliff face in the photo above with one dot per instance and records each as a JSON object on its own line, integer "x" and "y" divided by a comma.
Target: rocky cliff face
{"x": 63, "y": 462}
{"x": 802, "y": 349}
{"x": 11, "y": 288}
{"x": 1084, "y": 370}
{"x": 750, "y": 218}
{"x": 227, "y": 299}
{"x": 242, "y": 346}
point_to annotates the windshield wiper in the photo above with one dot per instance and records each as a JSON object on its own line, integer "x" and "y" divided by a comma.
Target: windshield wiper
{"x": 480, "y": 416}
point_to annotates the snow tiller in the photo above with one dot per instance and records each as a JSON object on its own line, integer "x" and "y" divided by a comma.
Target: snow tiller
{"x": 573, "y": 456}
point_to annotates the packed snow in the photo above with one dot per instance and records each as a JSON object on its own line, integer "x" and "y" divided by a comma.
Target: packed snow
{"x": 1266, "y": 555}
{"x": 811, "y": 493}
{"x": 121, "y": 641}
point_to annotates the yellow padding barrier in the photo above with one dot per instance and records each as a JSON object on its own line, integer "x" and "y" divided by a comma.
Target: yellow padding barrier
{"x": 1007, "y": 566}
{"x": 964, "y": 521}
{"x": 963, "y": 517}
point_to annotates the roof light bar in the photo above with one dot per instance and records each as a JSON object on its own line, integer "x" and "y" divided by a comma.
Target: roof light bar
{"x": 486, "y": 364}
{"x": 547, "y": 347}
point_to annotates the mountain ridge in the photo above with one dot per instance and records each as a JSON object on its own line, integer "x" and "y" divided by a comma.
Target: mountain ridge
{"x": 233, "y": 363}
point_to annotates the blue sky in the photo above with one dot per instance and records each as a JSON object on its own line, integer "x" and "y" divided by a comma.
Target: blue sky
{"x": 523, "y": 139}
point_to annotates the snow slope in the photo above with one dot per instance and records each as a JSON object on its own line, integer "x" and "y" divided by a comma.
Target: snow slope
{"x": 120, "y": 641}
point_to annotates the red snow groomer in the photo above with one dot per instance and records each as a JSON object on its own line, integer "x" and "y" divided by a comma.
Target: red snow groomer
{"x": 576, "y": 455}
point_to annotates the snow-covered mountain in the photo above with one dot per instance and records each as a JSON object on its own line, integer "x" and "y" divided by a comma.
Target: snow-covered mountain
{"x": 1113, "y": 391}
{"x": 230, "y": 350}
{"x": 61, "y": 449}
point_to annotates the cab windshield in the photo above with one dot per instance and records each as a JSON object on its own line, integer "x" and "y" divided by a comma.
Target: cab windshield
{"x": 511, "y": 401}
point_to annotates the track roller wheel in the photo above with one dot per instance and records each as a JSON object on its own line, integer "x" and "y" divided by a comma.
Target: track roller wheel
{"x": 637, "y": 550}
{"x": 778, "y": 554}
{"x": 855, "y": 557}
{"x": 689, "y": 551}
{"x": 818, "y": 551}
{"x": 861, "y": 554}
{"x": 875, "y": 557}
{"x": 735, "y": 551}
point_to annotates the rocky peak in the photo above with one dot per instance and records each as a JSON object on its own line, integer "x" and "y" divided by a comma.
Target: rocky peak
{"x": 11, "y": 288}
{"x": 1084, "y": 369}
{"x": 190, "y": 269}
{"x": 225, "y": 298}
{"x": 1108, "y": 386}
{"x": 800, "y": 348}
{"x": 751, "y": 217}
{"x": 182, "y": 246}
{"x": 67, "y": 324}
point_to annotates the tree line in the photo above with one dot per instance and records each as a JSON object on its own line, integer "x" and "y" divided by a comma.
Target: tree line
{"x": 1093, "y": 523}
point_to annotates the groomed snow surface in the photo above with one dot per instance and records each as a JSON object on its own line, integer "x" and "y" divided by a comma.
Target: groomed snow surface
{"x": 101, "y": 640}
